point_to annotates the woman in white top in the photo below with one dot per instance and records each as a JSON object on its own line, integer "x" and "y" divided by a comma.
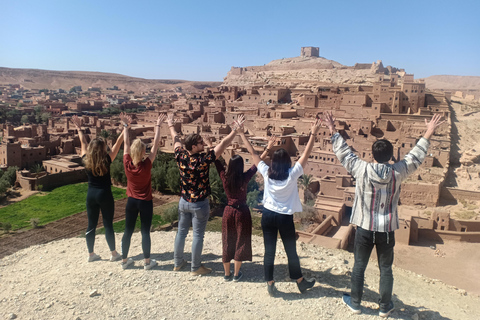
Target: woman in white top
{"x": 280, "y": 201}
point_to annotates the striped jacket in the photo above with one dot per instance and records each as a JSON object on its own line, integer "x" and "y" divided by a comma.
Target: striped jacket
{"x": 377, "y": 185}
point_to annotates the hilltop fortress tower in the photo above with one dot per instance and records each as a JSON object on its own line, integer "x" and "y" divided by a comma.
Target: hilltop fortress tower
{"x": 310, "y": 52}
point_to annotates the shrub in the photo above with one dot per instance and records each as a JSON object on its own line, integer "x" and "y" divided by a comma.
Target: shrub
{"x": 7, "y": 226}
{"x": 308, "y": 215}
{"x": 171, "y": 214}
{"x": 253, "y": 198}
{"x": 34, "y": 222}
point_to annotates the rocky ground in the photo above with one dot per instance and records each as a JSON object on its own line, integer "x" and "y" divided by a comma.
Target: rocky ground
{"x": 54, "y": 281}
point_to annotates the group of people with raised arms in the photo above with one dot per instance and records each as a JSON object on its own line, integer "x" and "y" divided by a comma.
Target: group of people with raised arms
{"x": 374, "y": 210}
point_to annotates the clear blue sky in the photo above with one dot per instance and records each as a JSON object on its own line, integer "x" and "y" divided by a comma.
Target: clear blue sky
{"x": 202, "y": 40}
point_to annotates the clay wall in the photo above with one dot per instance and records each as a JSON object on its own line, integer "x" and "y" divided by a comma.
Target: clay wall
{"x": 464, "y": 225}
{"x": 50, "y": 181}
{"x": 285, "y": 114}
{"x": 11, "y": 154}
{"x": 310, "y": 100}
{"x": 420, "y": 193}
{"x": 448, "y": 193}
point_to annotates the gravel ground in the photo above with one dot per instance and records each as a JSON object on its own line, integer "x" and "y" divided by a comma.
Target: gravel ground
{"x": 55, "y": 281}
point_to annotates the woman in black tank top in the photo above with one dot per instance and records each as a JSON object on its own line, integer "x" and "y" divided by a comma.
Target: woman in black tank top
{"x": 97, "y": 162}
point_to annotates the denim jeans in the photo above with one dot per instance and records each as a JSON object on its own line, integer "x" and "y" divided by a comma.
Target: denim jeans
{"x": 193, "y": 214}
{"x": 364, "y": 242}
{"x": 272, "y": 223}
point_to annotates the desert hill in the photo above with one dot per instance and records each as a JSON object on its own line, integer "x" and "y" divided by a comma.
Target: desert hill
{"x": 447, "y": 82}
{"x": 307, "y": 72}
{"x": 49, "y": 79}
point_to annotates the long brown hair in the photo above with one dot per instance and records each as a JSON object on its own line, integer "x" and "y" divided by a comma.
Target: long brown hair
{"x": 234, "y": 175}
{"x": 281, "y": 163}
{"x": 96, "y": 157}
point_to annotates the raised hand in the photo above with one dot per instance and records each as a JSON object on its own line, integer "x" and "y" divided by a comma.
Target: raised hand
{"x": 434, "y": 122}
{"x": 161, "y": 118}
{"x": 432, "y": 125}
{"x": 271, "y": 142}
{"x": 170, "y": 120}
{"x": 76, "y": 121}
{"x": 316, "y": 126}
{"x": 125, "y": 119}
{"x": 329, "y": 121}
{"x": 238, "y": 123}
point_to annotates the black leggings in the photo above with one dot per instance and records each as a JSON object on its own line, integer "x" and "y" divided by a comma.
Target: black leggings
{"x": 100, "y": 199}
{"x": 134, "y": 206}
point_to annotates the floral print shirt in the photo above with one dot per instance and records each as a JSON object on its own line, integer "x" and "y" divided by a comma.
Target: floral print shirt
{"x": 194, "y": 172}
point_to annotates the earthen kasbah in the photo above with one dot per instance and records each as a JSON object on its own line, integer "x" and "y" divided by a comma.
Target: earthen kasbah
{"x": 369, "y": 101}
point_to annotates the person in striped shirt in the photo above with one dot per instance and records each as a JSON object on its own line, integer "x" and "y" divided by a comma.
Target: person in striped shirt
{"x": 374, "y": 210}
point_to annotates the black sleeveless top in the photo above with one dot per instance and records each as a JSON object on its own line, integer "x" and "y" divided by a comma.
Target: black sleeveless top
{"x": 102, "y": 182}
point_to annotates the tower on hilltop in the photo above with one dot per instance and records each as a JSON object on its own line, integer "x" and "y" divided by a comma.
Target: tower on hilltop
{"x": 310, "y": 52}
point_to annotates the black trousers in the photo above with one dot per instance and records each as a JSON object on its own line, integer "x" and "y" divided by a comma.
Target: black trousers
{"x": 100, "y": 200}
{"x": 134, "y": 207}
{"x": 384, "y": 242}
{"x": 272, "y": 223}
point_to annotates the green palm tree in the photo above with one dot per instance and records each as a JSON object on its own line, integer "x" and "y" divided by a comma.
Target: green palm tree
{"x": 303, "y": 182}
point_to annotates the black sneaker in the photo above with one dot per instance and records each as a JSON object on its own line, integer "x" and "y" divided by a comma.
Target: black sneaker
{"x": 271, "y": 289}
{"x": 348, "y": 301}
{"x": 389, "y": 309}
{"x": 305, "y": 284}
{"x": 237, "y": 278}
{"x": 228, "y": 278}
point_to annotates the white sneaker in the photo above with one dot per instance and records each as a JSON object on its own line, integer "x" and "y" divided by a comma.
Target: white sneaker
{"x": 116, "y": 258}
{"x": 129, "y": 262}
{"x": 152, "y": 264}
{"x": 93, "y": 257}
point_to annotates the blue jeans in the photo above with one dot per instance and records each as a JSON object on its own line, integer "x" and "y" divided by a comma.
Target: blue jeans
{"x": 272, "y": 224}
{"x": 193, "y": 214}
{"x": 384, "y": 242}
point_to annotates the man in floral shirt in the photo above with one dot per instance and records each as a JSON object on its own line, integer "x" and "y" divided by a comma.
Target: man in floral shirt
{"x": 194, "y": 208}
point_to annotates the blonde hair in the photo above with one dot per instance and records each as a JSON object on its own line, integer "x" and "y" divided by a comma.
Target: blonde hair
{"x": 96, "y": 157}
{"x": 136, "y": 151}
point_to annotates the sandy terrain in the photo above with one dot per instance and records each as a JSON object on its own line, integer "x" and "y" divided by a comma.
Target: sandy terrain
{"x": 54, "y": 281}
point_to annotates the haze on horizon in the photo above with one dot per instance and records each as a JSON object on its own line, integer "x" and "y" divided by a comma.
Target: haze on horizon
{"x": 201, "y": 41}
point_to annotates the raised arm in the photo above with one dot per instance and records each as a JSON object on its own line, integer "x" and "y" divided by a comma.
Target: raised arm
{"x": 415, "y": 157}
{"x": 126, "y": 122}
{"x": 228, "y": 139}
{"x": 256, "y": 159}
{"x": 156, "y": 140}
{"x": 173, "y": 133}
{"x": 116, "y": 146}
{"x": 271, "y": 143}
{"x": 344, "y": 153}
{"x": 83, "y": 140}
{"x": 308, "y": 149}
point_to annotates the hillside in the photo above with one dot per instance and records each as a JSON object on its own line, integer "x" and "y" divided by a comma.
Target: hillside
{"x": 48, "y": 79}
{"x": 304, "y": 72}
{"x": 446, "y": 82}
{"x": 54, "y": 281}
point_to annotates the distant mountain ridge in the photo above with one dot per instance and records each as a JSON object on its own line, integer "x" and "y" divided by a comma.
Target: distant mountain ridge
{"x": 449, "y": 82}
{"x": 50, "y": 79}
